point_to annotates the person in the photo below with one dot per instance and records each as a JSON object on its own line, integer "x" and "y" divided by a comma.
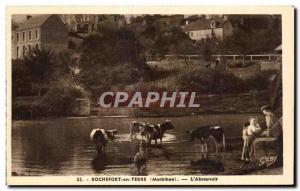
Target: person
{"x": 271, "y": 119}
{"x": 250, "y": 130}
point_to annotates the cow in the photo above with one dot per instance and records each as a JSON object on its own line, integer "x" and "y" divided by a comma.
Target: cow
{"x": 157, "y": 131}
{"x": 138, "y": 127}
{"x": 206, "y": 132}
{"x": 101, "y": 137}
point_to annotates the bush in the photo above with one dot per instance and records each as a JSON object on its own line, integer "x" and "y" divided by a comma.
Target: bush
{"x": 218, "y": 82}
{"x": 260, "y": 81}
{"x": 212, "y": 82}
{"x": 57, "y": 102}
{"x": 21, "y": 110}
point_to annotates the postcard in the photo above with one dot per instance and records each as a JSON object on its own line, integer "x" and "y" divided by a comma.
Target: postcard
{"x": 156, "y": 96}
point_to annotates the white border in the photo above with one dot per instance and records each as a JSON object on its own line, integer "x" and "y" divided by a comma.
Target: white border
{"x": 111, "y": 2}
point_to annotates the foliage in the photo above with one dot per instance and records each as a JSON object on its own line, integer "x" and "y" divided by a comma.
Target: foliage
{"x": 116, "y": 58}
{"x": 21, "y": 110}
{"x": 41, "y": 69}
{"x": 40, "y": 62}
{"x": 260, "y": 81}
{"x": 21, "y": 79}
{"x": 247, "y": 40}
{"x": 57, "y": 101}
{"x": 212, "y": 82}
{"x": 219, "y": 82}
{"x": 173, "y": 42}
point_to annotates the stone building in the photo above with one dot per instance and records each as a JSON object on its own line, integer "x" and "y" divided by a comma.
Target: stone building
{"x": 42, "y": 31}
{"x": 204, "y": 28}
{"x": 86, "y": 24}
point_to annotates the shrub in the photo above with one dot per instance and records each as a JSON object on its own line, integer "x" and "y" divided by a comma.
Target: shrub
{"x": 218, "y": 82}
{"x": 260, "y": 81}
{"x": 210, "y": 82}
{"x": 21, "y": 110}
{"x": 57, "y": 102}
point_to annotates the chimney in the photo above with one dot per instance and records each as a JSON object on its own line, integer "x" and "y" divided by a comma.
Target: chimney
{"x": 225, "y": 17}
{"x": 28, "y": 17}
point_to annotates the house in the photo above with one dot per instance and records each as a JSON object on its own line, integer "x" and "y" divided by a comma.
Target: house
{"x": 278, "y": 49}
{"x": 86, "y": 24}
{"x": 204, "y": 28}
{"x": 43, "y": 31}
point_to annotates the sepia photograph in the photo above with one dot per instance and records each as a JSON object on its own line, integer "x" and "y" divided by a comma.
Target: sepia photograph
{"x": 182, "y": 98}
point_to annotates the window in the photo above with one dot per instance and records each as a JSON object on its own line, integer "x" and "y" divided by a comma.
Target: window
{"x": 23, "y": 36}
{"x": 37, "y": 46}
{"x": 24, "y": 50}
{"x": 213, "y": 24}
{"x": 36, "y": 34}
{"x": 17, "y": 37}
{"x": 29, "y": 47}
{"x": 17, "y": 52}
{"x": 29, "y": 35}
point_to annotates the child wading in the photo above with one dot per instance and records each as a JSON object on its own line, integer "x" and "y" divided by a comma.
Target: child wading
{"x": 250, "y": 130}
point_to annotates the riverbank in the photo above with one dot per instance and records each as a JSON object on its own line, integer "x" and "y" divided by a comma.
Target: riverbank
{"x": 209, "y": 104}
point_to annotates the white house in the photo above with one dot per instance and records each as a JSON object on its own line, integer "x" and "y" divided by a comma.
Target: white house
{"x": 202, "y": 29}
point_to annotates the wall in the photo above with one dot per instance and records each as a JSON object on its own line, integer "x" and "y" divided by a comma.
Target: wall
{"x": 218, "y": 33}
{"x": 200, "y": 34}
{"x": 33, "y": 41}
{"x": 206, "y": 33}
{"x": 54, "y": 34}
{"x": 269, "y": 66}
{"x": 227, "y": 29}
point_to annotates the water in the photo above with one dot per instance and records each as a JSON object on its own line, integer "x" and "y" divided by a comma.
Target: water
{"x": 62, "y": 147}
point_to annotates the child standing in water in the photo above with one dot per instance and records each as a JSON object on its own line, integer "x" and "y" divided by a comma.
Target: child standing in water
{"x": 250, "y": 130}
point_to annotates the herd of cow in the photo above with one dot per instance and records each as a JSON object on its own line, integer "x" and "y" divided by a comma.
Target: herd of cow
{"x": 154, "y": 132}
{"x": 149, "y": 132}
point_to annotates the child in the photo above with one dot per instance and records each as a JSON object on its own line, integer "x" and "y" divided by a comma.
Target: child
{"x": 250, "y": 130}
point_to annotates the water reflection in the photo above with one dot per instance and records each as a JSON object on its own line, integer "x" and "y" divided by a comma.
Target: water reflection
{"x": 45, "y": 148}
{"x": 140, "y": 158}
{"x": 63, "y": 147}
{"x": 209, "y": 163}
{"x": 99, "y": 162}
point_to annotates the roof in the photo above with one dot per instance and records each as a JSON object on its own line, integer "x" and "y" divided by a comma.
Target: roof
{"x": 33, "y": 22}
{"x": 278, "y": 48}
{"x": 202, "y": 24}
{"x": 75, "y": 35}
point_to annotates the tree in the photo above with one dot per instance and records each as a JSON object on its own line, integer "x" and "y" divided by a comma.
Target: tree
{"x": 21, "y": 79}
{"x": 172, "y": 41}
{"x": 107, "y": 56}
{"x": 248, "y": 40}
{"x": 39, "y": 63}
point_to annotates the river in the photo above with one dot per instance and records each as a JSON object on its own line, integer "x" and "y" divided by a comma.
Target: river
{"x": 62, "y": 146}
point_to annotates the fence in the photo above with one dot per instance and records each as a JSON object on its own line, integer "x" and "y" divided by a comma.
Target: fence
{"x": 234, "y": 57}
{"x": 251, "y": 57}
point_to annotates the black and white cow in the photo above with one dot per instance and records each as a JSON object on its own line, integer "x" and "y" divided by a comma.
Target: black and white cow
{"x": 206, "y": 132}
{"x": 137, "y": 127}
{"x": 157, "y": 131}
{"x": 101, "y": 138}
